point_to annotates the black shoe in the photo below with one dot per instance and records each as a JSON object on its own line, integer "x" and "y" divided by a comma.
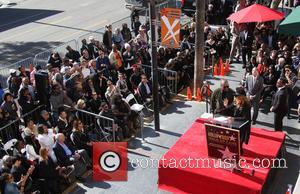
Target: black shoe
{"x": 299, "y": 120}
{"x": 80, "y": 179}
{"x": 253, "y": 122}
{"x": 244, "y": 66}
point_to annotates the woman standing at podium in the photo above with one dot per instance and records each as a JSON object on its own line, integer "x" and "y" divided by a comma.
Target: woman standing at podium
{"x": 241, "y": 111}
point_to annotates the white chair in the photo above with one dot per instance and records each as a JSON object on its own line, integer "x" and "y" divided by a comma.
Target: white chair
{"x": 137, "y": 108}
{"x": 8, "y": 145}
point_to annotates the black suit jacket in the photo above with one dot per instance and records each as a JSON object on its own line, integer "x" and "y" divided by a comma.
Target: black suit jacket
{"x": 246, "y": 42}
{"x": 280, "y": 102}
{"x": 63, "y": 127}
{"x": 143, "y": 91}
{"x": 62, "y": 158}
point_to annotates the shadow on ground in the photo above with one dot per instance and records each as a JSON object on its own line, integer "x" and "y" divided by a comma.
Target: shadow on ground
{"x": 12, "y": 52}
{"x": 14, "y": 17}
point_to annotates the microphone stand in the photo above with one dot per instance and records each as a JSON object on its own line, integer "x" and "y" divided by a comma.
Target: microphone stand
{"x": 206, "y": 89}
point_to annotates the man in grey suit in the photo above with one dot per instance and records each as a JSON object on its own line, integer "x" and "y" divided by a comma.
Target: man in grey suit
{"x": 254, "y": 87}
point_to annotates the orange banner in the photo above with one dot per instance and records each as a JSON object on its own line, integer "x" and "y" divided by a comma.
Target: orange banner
{"x": 170, "y": 27}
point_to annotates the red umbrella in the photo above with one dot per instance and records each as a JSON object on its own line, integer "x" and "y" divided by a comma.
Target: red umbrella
{"x": 255, "y": 13}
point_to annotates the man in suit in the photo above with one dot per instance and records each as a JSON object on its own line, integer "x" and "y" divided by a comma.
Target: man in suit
{"x": 246, "y": 40}
{"x": 66, "y": 155}
{"x": 280, "y": 104}
{"x": 144, "y": 89}
{"x": 254, "y": 88}
{"x": 224, "y": 93}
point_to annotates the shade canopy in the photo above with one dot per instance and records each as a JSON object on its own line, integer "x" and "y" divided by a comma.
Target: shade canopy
{"x": 291, "y": 24}
{"x": 255, "y": 13}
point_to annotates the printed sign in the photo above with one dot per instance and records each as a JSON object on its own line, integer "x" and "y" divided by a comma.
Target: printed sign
{"x": 222, "y": 143}
{"x": 170, "y": 27}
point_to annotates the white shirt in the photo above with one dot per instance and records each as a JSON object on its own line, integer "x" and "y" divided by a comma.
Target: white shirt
{"x": 47, "y": 141}
{"x": 30, "y": 153}
{"x": 147, "y": 88}
{"x": 85, "y": 72}
{"x": 246, "y": 34}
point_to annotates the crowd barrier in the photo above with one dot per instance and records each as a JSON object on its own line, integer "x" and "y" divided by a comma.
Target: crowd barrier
{"x": 98, "y": 36}
{"x": 43, "y": 57}
{"x": 102, "y": 127}
{"x": 166, "y": 77}
{"x": 5, "y": 71}
{"x": 13, "y": 128}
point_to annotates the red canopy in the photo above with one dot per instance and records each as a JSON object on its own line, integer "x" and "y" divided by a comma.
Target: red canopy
{"x": 256, "y": 13}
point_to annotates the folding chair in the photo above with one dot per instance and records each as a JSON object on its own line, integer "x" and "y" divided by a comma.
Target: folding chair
{"x": 138, "y": 108}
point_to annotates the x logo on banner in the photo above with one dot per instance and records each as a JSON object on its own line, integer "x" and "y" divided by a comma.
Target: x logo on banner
{"x": 170, "y": 33}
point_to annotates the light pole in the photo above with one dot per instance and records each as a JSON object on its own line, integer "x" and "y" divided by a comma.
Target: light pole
{"x": 199, "y": 46}
{"x": 153, "y": 23}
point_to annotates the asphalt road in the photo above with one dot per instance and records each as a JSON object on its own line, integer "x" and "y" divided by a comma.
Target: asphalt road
{"x": 30, "y": 26}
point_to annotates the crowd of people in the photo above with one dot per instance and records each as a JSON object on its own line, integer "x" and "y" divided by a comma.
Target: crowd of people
{"x": 95, "y": 79}
{"x": 271, "y": 74}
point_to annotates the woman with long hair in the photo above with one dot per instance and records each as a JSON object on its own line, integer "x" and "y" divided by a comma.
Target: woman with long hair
{"x": 80, "y": 138}
{"x": 241, "y": 111}
{"x": 47, "y": 169}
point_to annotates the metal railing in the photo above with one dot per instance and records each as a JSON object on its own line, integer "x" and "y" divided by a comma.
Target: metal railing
{"x": 12, "y": 130}
{"x": 98, "y": 36}
{"x": 102, "y": 127}
{"x": 5, "y": 71}
{"x": 43, "y": 57}
{"x": 166, "y": 77}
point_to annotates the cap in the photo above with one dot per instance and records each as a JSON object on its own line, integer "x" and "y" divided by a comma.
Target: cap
{"x": 12, "y": 71}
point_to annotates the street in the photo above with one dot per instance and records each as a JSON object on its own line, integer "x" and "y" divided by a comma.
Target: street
{"x": 31, "y": 26}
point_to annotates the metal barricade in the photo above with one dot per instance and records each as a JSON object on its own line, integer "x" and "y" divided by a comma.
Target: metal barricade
{"x": 12, "y": 130}
{"x": 98, "y": 36}
{"x": 118, "y": 24}
{"x": 61, "y": 49}
{"x": 25, "y": 62}
{"x": 166, "y": 77}
{"x": 102, "y": 128}
{"x": 43, "y": 57}
{"x": 4, "y": 74}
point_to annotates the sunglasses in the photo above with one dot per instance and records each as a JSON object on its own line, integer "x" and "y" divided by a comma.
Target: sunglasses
{"x": 225, "y": 86}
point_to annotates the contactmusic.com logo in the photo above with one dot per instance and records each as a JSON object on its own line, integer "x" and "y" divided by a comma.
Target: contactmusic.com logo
{"x": 110, "y": 161}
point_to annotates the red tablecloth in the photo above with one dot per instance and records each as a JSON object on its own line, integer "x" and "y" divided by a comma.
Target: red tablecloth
{"x": 262, "y": 144}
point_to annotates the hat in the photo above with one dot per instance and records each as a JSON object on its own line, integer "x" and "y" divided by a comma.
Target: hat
{"x": 239, "y": 91}
{"x": 12, "y": 71}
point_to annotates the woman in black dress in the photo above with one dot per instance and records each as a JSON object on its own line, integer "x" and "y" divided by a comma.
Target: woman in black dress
{"x": 241, "y": 111}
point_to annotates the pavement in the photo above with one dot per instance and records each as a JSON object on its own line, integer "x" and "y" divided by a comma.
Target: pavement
{"x": 175, "y": 120}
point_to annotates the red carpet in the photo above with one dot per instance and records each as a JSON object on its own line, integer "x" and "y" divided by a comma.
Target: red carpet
{"x": 262, "y": 144}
